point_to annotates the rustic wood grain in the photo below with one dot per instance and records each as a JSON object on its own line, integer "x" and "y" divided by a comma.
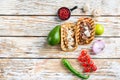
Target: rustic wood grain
{"x": 52, "y": 69}
{"x": 41, "y": 25}
{"x": 24, "y": 26}
{"x": 50, "y": 7}
{"x": 37, "y": 47}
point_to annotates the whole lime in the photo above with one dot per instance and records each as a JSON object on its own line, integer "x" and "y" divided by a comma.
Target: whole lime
{"x": 99, "y": 29}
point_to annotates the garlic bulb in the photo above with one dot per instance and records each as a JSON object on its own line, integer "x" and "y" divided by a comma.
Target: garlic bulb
{"x": 86, "y": 8}
{"x": 96, "y": 12}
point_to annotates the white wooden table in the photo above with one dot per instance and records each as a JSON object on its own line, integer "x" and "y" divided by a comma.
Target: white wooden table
{"x": 25, "y": 54}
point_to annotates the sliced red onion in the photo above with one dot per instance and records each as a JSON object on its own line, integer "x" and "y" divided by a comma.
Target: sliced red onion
{"x": 98, "y": 46}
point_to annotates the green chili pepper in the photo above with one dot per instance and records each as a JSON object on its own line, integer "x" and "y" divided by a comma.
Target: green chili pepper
{"x": 74, "y": 71}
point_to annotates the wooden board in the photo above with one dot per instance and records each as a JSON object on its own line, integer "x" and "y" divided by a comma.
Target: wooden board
{"x": 52, "y": 69}
{"x": 24, "y": 27}
{"x": 50, "y": 7}
{"x": 37, "y": 47}
{"x": 41, "y": 26}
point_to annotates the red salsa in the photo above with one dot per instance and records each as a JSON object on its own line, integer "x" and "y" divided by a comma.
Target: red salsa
{"x": 64, "y": 13}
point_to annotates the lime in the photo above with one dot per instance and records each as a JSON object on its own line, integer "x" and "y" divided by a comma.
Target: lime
{"x": 99, "y": 29}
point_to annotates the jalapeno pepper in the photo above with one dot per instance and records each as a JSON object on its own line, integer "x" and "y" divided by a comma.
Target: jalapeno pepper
{"x": 67, "y": 64}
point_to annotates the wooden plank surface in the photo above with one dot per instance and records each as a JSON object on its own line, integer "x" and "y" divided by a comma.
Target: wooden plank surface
{"x": 25, "y": 54}
{"x": 41, "y": 26}
{"x": 50, "y": 7}
{"x": 52, "y": 69}
{"x": 37, "y": 47}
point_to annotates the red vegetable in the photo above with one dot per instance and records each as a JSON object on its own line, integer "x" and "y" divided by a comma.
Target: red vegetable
{"x": 86, "y": 62}
{"x": 87, "y": 69}
{"x": 94, "y": 68}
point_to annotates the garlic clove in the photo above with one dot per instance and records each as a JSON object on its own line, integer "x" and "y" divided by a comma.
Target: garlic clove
{"x": 86, "y": 8}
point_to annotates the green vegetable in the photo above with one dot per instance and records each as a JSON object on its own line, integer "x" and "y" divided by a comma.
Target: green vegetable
{"x": 54, "y": 36}
{"x": 74, "y": 71}
{"x": 99, "y": 29}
